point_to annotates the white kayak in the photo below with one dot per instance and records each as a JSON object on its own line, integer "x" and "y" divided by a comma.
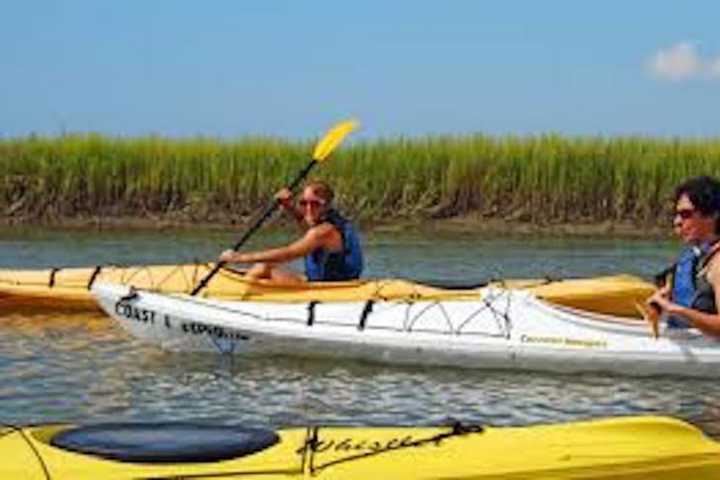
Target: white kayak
{"x": 501, "y": 326}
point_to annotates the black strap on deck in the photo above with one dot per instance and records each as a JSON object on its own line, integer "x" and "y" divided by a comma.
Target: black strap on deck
{"x": 311, "y": 312}
{"x": 131, "y": 295}
{"x": 366, "y": 311}
{"x": 53, "y": 271}
{"x": 94, "y": 276}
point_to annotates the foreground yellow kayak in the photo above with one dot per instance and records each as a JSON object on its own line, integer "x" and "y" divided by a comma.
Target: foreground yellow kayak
{"x": 67, "y": 290}
{"x": 623, "y": 448}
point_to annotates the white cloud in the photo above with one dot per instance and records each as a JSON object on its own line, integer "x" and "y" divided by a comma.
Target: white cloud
{"x": 679, "y": 62}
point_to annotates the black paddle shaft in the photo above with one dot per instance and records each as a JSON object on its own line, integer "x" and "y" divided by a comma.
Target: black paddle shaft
{"x": 267, "y": 214}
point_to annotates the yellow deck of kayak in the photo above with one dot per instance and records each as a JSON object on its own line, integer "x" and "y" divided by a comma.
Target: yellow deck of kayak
{"x": 630, "y": 448}
{"x": 66, "y": 290}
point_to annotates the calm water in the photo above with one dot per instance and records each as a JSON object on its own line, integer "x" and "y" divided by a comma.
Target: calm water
{"x": 77, "y": 369}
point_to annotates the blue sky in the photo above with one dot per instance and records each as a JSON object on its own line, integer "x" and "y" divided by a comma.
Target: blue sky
{"x": 291, "y": 68}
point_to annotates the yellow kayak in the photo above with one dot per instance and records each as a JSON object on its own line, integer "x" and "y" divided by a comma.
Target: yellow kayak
{"x": 67, "y": 290}
{"x": 620, "y": 449}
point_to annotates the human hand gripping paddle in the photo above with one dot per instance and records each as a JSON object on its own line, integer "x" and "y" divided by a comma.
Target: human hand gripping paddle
{"x": 651, "y": 314}
{"x": 652, "y": 309}
{"x": 323, "y": 149}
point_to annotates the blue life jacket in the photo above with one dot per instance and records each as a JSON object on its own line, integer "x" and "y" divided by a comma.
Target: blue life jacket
{"x": 347, "y": 264}
{"x": 689, "y": 287}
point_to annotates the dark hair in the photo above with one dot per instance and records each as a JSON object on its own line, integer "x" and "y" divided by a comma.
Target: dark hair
{"x": 704, "y": 193}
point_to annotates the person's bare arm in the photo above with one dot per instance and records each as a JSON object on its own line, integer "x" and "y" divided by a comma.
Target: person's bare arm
{"x": 315, "y": 238}
{"x": 708, "y": 323}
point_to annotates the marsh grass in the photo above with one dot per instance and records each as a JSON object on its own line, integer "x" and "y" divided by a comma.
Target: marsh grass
{"x": 538, "y": 179}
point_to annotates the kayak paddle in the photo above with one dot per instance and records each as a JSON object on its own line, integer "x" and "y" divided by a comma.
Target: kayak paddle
{"x": 323, "y": 149}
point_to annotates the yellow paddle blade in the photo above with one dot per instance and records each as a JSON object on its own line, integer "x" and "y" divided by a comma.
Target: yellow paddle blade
{"x": 333, "y": 138}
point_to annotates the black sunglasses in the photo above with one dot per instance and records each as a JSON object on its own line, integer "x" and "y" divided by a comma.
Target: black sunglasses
{"x": 311, "y": 203}
{"x": 684, "y": 213}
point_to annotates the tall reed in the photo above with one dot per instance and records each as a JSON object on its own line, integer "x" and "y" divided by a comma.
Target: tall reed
{"x": 539, "y": 179}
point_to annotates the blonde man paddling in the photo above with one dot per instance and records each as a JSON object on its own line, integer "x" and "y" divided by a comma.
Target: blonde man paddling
{"x": 330, "y": 246}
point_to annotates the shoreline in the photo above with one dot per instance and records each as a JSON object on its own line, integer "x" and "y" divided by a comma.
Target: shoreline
{"x": 463, "y": 225}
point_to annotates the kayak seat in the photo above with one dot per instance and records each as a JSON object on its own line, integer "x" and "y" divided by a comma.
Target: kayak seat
{"x": 164, "y": 442}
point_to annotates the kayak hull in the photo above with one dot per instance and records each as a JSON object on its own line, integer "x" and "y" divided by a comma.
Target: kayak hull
{"x": 622, "y": 448}
{"x": 67, "y": 290}
{"x": 499, "y": 329}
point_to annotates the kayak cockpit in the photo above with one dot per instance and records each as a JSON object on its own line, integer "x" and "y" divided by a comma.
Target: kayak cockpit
{"x": 164, "y": 442}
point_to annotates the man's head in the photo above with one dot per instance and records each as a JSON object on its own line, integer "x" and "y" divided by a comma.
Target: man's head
{"x": 697, "y": 209}
{"x": 315, "y": 201}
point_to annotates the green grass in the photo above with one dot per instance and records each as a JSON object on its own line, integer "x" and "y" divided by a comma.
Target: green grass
{"x": 540, "y": 179}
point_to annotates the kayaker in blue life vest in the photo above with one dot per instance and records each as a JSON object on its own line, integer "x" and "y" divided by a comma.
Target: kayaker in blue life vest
{"x": 692, "y": 293}
{"x": 331, "y": 246}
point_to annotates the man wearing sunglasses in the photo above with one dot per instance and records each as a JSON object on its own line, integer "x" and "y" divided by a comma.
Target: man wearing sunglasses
{"x": 690, "y": 296}
{"x": 331, "y": 247}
